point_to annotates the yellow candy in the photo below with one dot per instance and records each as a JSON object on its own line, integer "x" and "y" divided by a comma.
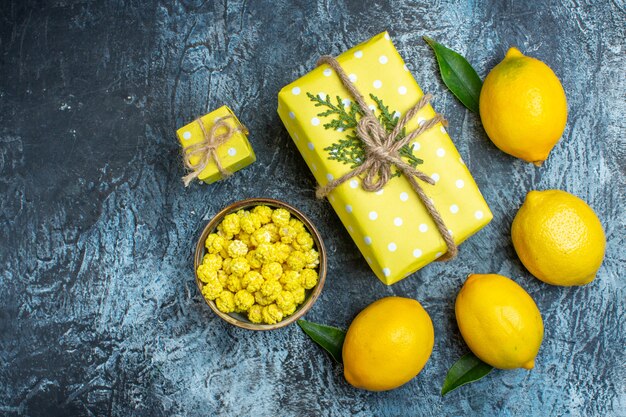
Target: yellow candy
{"x": 226, "y": 265}
{"x": 225, "y": 302}
{"x": 290, "y": 310}
{"x": 237, "y": 248}
{"x": 239, "y": 266}
{"x": 309, "y": 278}
{"x": 298, "y": 295}
{"x": 266, "y": 252}
{"x": 281, "y": 217}
{"x": 272, "y": 229}
{"x": 222, "y": 277}
{"x": 255, "y": 314}
{"x": 214, "y": 243}
{"x": 296, "y": 261}
{"x": 250, "y": 222}
{"x": 264, "y": 213}
{"x": 206, "y": 274}
{"x": 213, "y": 261}
{"x": 312, "y": 258}
{"x": 233, "y": 283}
{"x": 271, "y": 289}
{"x": 287, "y": 233}
{"x": 254, "y": 260}
{"x": 297, "y": 225}
{"x": 212, "y": 290}
{"x": 230, "y": 225}
{"x": 244, "y": 237}
{"x": 272, "y": 314}
{"x": 282, "y": 251}
{"x": 285, "y": 301}
{"x": 303, "y": 242}
{"x": 272, "y": 271}
{"x": 261, "y": 299}
{"x": 260, "y": 236}
{"x": 243, "y": 300}
{"x": 252, "y": 281}
{"x": 291, "y": 280}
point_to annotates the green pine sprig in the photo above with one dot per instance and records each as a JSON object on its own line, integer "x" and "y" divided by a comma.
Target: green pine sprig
{"x": 343, "y": 119}
{"x": 350, "y": 150}
{"x": 387, "y": 119}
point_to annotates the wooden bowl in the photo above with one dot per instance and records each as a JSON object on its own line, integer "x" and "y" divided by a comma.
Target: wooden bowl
{"x": 238, "y": 319}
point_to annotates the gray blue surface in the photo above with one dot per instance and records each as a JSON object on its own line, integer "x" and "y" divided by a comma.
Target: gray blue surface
{"x": 99, "y": 313}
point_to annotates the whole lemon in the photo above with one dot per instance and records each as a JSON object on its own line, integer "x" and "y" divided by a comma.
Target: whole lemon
{"x": 387, "y": 344}
{"x": 523, "y": 107}
{"x": 558, "y": 238}
{"x": 499, "y": 321}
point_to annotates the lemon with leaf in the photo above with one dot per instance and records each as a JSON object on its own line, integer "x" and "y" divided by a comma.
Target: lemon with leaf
{"x": 499, "y": 321}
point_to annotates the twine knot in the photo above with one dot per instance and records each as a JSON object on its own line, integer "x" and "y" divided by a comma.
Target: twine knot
{"x": 207, "y": 149}
{"x": 382, "y": 152}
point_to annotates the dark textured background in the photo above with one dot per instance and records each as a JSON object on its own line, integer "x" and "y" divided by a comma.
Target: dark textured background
{"x": 98, "y": 307}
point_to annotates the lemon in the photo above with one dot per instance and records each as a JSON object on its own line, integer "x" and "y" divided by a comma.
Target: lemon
{"x": 387, "y": 344}
{"x": 499, "y": 321}
{"x": 523, "y": 107}
{"x": 558, "y": 238}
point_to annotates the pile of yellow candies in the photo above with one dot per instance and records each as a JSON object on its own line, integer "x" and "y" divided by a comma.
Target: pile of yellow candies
{"x": 260, "y": 262}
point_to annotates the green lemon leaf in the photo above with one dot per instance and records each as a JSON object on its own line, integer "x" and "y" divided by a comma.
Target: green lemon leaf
{"x": 467, "y": 369}
{"x": 329, "y": 338}
{"x": 458, "y": 75}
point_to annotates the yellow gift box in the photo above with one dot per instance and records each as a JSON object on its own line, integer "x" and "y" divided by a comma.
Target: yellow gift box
{"x": 391, "y": 227}
{"x": 234, "y": 154}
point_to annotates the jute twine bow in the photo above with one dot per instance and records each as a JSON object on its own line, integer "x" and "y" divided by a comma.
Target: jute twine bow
{"x": 382, "y": 152}
{"x": 207, "y": 149}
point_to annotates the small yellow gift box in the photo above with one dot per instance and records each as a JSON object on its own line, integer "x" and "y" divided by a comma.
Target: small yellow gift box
{"x": 391, "y": 227}
{"x": 233, "y": 151}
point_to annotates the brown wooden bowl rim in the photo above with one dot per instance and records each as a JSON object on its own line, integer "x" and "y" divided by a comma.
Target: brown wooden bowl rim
{"x": 249, "y": 202}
